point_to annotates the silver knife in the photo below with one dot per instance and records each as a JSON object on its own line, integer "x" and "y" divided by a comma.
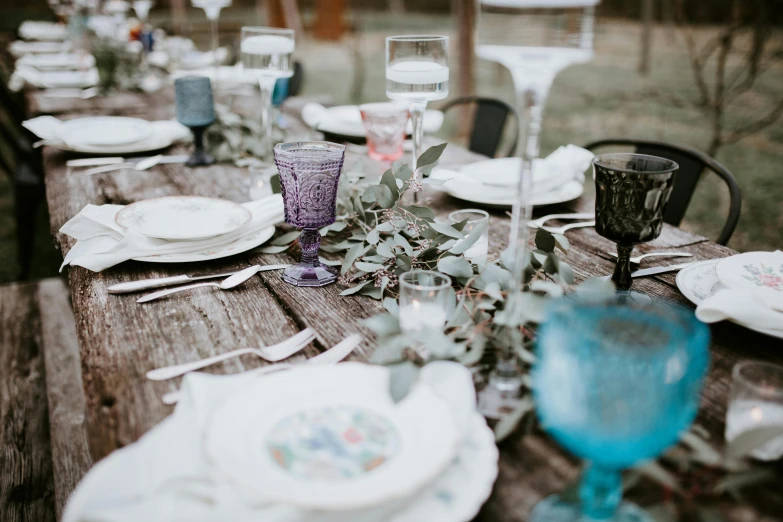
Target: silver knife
{"x": 659, "y": 270}
{"x": 143, "y": 284}
{"x": 116, "y": 160}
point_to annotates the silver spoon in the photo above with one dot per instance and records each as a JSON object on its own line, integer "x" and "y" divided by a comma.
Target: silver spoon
{"x": 638, "y": 259}
{"x": 228, "y": 283}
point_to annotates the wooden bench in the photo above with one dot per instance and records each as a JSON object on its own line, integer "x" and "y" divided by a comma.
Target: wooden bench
{"x": 43, "y": 444}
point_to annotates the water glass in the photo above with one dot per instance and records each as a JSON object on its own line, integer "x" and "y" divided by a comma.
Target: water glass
{"x": 261, "y": 181}
{"x": 384, "y": 124}
{"x": 476, "y": 219}
{"x": 615, "y": 383}
{"x": 756, "y": 400}
{"x": 195, "y": 108}
{"x": 423, "y": 300}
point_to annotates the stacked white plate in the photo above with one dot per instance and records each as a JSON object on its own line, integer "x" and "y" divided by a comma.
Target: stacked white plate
{"x": 59, "y": 78}
{"x": 23, "y": 48}
{"x": 117, "y": 135}
{"x": 46, "y": 31}
{"x": 757, "y": 273}
{"x": 56, "y": 61}
{"x": 316, "y": 444}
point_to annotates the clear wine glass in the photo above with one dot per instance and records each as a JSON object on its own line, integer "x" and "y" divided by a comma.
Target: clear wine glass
{"x": 142, "y": 8}
{"x": 266, "y": 53}
{"x": 417, "y": 71}
{"x": 616, "y": 384}
{"x": 534, "y": 41}
{"x": 212, "y": 9}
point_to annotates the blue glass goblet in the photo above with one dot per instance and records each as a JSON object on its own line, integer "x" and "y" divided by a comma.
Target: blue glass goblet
{"x": 309, "y": 173}
{"x": 615, "y": 384}
{"x": 196, "y": 110}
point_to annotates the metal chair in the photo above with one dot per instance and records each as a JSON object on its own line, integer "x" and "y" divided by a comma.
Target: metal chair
{"x": 488, "y": 123}
{"x": 692, "y": 163}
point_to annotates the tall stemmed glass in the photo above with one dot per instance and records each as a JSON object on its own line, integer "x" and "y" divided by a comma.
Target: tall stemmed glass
{"x": 212, "y": 9}
{"x": 535, "y": 41}
{"x": 266, "y": 53}
{"x": 417, "y": 71}
{"x": 615, "y": 384}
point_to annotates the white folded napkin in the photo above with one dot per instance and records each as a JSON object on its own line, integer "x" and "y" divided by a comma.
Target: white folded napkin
{"x": 102, "y": 243}
{"x": 46, "y": 128}
{"x": 741, "y": 306}
{"x": 166, "y": 477}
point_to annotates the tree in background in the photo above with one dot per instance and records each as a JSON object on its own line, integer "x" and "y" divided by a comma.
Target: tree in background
{"x": 731, "y": 63}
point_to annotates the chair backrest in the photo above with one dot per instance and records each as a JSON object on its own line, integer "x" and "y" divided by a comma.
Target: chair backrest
{"x": 295, "y": 82}
{"x": 488, "y": 123}
{"x": 692, "y": 163}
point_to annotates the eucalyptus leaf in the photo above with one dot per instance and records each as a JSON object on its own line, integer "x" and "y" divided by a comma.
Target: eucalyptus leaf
{"x": 431, "y": 155}
{"x": 565, "y": 274}
{"x": 561, "y": 242}
{"x": 385, "y": 227}
{"x": 470, "y": 240}
{"x": 653, "y": 470}
{"x": 353, "y": 254}
{"x": 447, "y": 230}
{"x": 384, "y": 325}
{"x": 391, "y": 306}
{"x": 388, "y": 180}
{"x": 402, "y": 378}
{"x": 545, "y": 240}
{"x": 507, "y": 424}
{"x": 403, "y": 172}
{"x": 748, "y": 441}
{"x": 400, "y": 240}
{"x": 446, "y": 245}
{"x": 368, "y": 267}
{"x": 455, "y": 266}
{"x": 385, "y": 250}
{"x": 420, "y": 212}
{"x": 354, "y": 289}
{"x": 373, "y": 236}
{"x": 286, "y": 238}
{"x": 372, "y": 291}
{"x": 272, "y": 249}
{"x": 476, "y": 352}
{"x": 330, "y": 262}
{"x": 383, "y": 196}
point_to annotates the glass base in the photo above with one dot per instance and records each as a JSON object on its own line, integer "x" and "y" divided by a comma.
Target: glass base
{"x": 552, "y": 509}
{"x": 305, "y": 274}
{"x": 634, "y": 297}
{"x": 200, "y": 158}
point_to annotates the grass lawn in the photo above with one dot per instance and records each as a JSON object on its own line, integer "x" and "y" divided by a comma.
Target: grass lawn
{"x": 605, "y": 98}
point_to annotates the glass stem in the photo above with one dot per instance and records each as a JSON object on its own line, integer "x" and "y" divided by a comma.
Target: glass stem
{"x": 600, "y": 492}
{"x": 310, "y": 242}
{"x": 530, "y": 107}
{"x": 215, "y": 43}
{"x": 622, "y": 270}
{"x": 267, "y": 86}
{"x": 198, "y": 139}
{"x": 417, "y": 122}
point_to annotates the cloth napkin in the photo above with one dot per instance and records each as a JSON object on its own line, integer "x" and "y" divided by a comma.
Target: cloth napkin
{"x": 166, "y": 477}
{"x": 102, "y": 243}
{"x": 47, "y": 127}
{"x": 25, "y": 75}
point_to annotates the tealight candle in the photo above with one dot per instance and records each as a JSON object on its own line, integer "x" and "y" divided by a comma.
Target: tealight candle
{"x": 756, "y": 400}
{"x": 478, "y": 251}
{"x": 423, "y": 300}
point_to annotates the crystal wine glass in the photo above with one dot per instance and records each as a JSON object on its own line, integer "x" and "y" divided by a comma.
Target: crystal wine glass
{"x": 266, "y": 53}
{"x": 417, "y": 71}
{"x": 631, "y": 191}
{"x": 212, "y": 9}
{"x": 535, "y": 41}
{"x": 615, "y": 384}
{"x": 309, "y": 173}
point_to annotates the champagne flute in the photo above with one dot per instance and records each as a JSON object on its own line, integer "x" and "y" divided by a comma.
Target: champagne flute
{"x": 212, "y": 9}
{"x": 266, "y": 53}
{"x": 417, "y": 71}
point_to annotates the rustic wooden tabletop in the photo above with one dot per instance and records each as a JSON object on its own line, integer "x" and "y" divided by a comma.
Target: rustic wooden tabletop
{"x": 120, "y": 340}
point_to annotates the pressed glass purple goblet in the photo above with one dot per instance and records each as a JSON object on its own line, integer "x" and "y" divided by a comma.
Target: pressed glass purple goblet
{"x": 309, "y": 172}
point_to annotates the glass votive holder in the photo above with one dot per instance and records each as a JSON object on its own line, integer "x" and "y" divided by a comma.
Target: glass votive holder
{"x": 756, "y": 400}
{"x": 261, "y": 181}
{"x": 477, "y": 252}
{"x": 423, "y": 300}
{"x": 384, "y": 125}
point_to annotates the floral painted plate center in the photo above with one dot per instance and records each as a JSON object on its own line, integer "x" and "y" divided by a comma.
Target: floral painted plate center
{"x": 335, "y": 442}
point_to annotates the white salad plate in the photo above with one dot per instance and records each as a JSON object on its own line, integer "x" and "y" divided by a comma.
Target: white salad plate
{"x": 335, "y": 440}
{"x": 183, "y": 217}
{"x": 346, "y": 120}
{"x": 57, "y": 61}
{"x": 164, "y": 133}
{"x": 104, "y": 131}
{"x": 699, "y": 281}
{"x": 241, "y": 244}
{"x": 760, "y": 273}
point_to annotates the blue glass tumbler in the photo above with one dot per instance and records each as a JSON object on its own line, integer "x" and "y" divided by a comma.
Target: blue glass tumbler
{"x": 196, "y": 110}
{"x": 615, "y": 384}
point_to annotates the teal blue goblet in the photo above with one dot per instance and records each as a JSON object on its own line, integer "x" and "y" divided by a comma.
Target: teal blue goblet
{"x": 615, "y": 384}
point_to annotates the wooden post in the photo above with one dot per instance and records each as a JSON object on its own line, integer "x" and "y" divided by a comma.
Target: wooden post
{"x": 465, "y": 12}
{"x": 274, "y": 13}
{"x": 647, "y": 21}
{"x": 329, "y": 23}
{"x": 178, "y": 16}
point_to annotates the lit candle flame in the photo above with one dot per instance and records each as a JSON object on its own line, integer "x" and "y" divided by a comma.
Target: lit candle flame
{"x": 756, "y": 413}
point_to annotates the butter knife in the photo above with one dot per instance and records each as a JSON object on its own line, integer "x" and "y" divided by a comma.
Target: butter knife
{"x": 116, "y": 160}
{"x": 654, "y": 270}
{"x": 144, "y": 284}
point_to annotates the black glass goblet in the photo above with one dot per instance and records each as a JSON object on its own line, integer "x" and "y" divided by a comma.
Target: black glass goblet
{"x": 196, "y": 110}
{"x": 631, "y": 191}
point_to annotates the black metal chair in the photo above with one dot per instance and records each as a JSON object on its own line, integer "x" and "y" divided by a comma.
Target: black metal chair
{"x": 692, "y": 163}
{"x": 295, "y": 82}
{"x": 488, "y": 123}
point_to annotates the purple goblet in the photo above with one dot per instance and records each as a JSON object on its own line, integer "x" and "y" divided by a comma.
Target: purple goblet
{"x": 309, "y": 172}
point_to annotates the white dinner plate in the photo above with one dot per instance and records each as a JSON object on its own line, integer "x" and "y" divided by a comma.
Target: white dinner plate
{"x": 760, "y": 273}
{"x": 242, "y": 244}
{"x": 699, "y": 281}
{"x": 104, "y": 131}
{"x": 57, "y": 61}
{"x": 346, "y": 120}
{"x": 22, "y": 48}
{"x": 57, "y": 79}
{"x": 183, "y": 217}
{"x": 334, "y": 440}
{"x": 47, "y": 31}
{"x": 164, "y": 133}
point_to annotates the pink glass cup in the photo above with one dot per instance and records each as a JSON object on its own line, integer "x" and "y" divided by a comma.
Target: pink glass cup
{"x": 384, "y": 124}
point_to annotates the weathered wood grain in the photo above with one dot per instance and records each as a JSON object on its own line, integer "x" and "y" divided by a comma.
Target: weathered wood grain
{"x": 26, "y": 486}
{"x": 119, "y": 340}
{"x": 65, "y": 394}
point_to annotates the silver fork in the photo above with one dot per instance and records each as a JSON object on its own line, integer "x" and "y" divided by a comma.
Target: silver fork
{"x": 564, "y": 228}
{"x": 333, "y": 355}
{"x": 638, "y": 259}
{"x": 538, "y": 223}
{"x": 273, "y": 353}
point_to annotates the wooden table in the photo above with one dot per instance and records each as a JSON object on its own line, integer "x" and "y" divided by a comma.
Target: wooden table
{"x": 120, "y": 340}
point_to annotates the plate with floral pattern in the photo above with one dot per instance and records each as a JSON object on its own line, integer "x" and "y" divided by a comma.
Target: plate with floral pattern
{"x": 334, "y": 440}
{"x": 758, "y": 272}
{"x": 242, "y": 244}
{"x": 183, "y": 217}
